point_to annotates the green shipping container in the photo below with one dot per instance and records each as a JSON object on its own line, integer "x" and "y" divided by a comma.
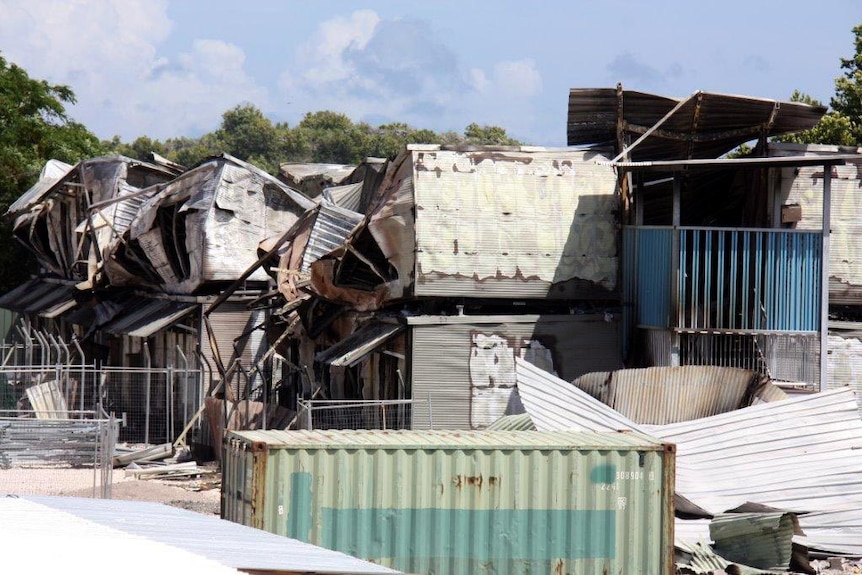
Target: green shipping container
{"x": 442, "y": 502}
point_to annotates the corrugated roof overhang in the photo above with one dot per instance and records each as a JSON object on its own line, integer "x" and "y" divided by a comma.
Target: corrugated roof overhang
{"x": 143, "y": 317}
{"x": 41, "y": 297}
{"x": 353, "y": 348}
{"x": 703, "y": 125}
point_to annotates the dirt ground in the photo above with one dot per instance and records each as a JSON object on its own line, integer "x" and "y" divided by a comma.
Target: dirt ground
{"x": 201, "y": 494}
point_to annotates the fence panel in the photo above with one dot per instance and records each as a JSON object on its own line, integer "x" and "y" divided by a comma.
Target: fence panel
{"x": 56, "y": 456}
{"x": 358, "y": 414}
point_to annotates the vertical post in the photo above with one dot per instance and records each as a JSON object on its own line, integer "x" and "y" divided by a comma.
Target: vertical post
{"x": 169, "y": 403}
{"x": 675, "y": 304}
{"x": 147, "y": 382}
{"x": 824, "y": 279}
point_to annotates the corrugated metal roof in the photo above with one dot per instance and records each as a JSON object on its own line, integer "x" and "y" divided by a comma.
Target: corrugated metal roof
{"x": 556, "y": 405}
{"x": 452, "y": 439}
{"x": 762, "y": 540}
{"x": 330, "y": 229}
{"x": 801, "y": 454}
{"x": 142, "y": 317}
{"x": 519, "y": 422}
{"x": 52, "y": 172}
{"x": 348, "y": 196}
{"x": 38, "y": 538}
{"x": 41, "y": 297}
{"x": 832, "y": 531}
{"x": 660, "y": 395}
{"x": 158, "y": 536}
{"x": 358, "y": 344}
{"x": 703, "y": 125}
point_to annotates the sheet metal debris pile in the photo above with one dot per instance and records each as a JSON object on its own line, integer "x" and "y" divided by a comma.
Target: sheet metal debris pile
{"x": 790, "y": 470}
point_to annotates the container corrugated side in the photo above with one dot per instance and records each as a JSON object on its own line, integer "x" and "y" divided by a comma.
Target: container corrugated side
{"x": 462, "y": 502}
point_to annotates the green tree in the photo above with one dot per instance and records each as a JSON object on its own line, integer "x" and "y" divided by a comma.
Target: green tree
{"x": 842, "y": 124}
{"x": 34, "y": 128}
{"x": 333, "y": 137}
{"x": 488, "y": 136}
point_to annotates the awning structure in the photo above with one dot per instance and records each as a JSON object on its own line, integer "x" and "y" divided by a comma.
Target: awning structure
{"x": 703, "y": 125}
{"x": 349, "y": 351}
{"x": 131, "y": 314}
{"x": 143, "y": 317}
{"x": 41, "y": 297}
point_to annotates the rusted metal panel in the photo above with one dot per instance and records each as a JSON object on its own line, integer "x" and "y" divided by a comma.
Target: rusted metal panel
{"x": 462, "y": 370}
{"x": 661, "y": 395}
{"x": 703, "y": 125}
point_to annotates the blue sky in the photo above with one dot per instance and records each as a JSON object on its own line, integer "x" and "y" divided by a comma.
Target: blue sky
{"x": 170, "y": 68}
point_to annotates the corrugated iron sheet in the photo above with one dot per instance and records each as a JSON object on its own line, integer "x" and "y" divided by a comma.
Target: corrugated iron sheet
{"x": 331, "y": 227}
{"x": 52, "y": 172}
{"x": 142, "y": 317}
{"x": 38, "y": 296}
{"x": 661, "y": 395}
{"x": 462, "y": 370}
{"x": 163, "y": 539}
{"x": 800, "y": 454}
{"x": 360, "y": 343}
{"x": 762, "y": 540}
{"x": 463, "y": 502}
{"x": 845, "y": 361}
{"x": 703, "y": 125}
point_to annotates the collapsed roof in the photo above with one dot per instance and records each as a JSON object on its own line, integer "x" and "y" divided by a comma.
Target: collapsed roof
{"x": 703, "y": 125}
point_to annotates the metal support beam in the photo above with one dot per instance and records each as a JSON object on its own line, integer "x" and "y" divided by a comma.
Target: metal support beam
{"x": 675, "y": 304}
{"x": 824, "y": 284}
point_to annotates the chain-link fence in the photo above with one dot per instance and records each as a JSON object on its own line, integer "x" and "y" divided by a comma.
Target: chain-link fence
{"x": 70, "y": 456}
{"x": 357, "y": 414}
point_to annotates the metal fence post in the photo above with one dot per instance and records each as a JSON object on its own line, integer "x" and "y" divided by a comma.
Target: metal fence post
{"x": 147, "y": 383}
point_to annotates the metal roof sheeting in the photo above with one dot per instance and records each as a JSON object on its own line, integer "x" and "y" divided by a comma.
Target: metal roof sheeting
{"x": 359, "y": 344}
{"x": 703, "y": 125}
{"x": 158, "y": 537}
{"x": 52, "y": 172}
{"x": 41, "y": 297}
{"x": 660, "y": 395}
{"x": 39, "y": 538}
{"x": 801, "y": 454}
{"x": 142, "y": 317}
{"x": 555, "y": 405}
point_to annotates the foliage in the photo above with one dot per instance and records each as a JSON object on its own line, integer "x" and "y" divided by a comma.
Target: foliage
{"x": 842, "y": 124}
{"x": 34, "y": 128}
{"x": 321, "y": 137}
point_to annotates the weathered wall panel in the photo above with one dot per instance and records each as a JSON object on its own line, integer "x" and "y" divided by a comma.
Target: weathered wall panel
{"x": 805, "y": 188}
{"x": 515, "y": 223}
{"x": 454, "y": 373}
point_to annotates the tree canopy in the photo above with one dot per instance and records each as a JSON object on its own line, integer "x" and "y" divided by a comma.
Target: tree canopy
{"x": 842, "y": 124}
{"x": 324, "y": 136}
{"x": 34, "y": 128}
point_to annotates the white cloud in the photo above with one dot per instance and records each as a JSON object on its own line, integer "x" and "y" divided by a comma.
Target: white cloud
{"x": 518, "y": 78}
{"x": 108, "y": 52}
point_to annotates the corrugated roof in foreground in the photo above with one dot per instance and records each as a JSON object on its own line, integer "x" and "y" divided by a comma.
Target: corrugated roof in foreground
{"x": 156, "y": 538}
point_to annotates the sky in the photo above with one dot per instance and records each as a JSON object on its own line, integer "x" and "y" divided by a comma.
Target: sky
{"x": 171, "y": 68}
